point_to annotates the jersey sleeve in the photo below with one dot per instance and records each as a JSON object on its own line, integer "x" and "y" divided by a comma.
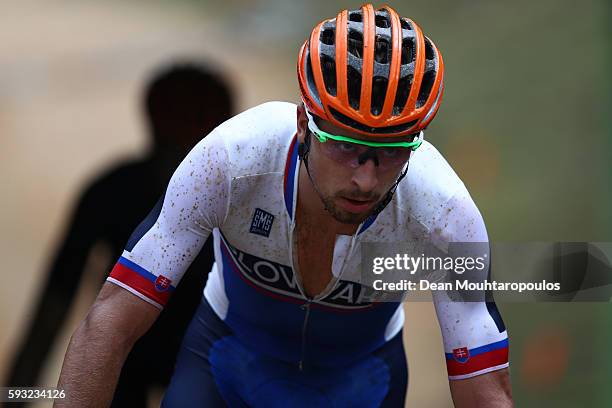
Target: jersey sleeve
{"x": 163, "y": 246}
{"x": 474, "y": 335}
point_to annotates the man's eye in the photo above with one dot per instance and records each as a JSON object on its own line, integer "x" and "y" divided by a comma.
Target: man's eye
{"x": 388, "y": 152}
{"x": 346, "y": 147}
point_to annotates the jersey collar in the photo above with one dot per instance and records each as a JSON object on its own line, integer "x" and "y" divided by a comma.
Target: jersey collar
{"x": 290, "y": 179}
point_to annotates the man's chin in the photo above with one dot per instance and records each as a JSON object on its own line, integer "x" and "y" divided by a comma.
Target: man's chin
{"x": 347, "y": 217}
{"x": 350, "y": 218}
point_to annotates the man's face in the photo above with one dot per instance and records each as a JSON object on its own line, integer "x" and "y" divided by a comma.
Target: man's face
{"x": 348, "y": 193}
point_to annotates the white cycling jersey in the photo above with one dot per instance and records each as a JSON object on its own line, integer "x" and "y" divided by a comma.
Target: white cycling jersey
{"x": 240, "y": 183}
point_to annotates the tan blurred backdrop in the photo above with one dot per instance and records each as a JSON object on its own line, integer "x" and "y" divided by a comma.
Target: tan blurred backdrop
{"x": 524, "y": 122}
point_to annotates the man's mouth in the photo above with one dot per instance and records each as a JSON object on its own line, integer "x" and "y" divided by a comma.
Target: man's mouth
{"x": 355, "y": 205}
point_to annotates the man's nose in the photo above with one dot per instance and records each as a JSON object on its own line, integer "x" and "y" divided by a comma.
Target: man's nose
{"x": 365, "y": 177}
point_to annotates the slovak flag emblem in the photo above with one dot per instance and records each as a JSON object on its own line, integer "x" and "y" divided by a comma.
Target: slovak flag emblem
{"x": 461, "y": 354}
{"x": 162, "y": 283}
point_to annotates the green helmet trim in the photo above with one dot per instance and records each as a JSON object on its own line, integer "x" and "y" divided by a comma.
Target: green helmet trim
{"x": 323, "y": 136}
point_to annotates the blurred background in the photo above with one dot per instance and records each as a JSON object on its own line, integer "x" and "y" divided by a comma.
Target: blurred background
{"x": 526, "y": 123}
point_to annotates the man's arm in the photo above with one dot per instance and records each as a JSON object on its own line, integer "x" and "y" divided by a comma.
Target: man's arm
{"x": 491, "y": 390}
{"x": 474, "y": 334}
{"x": 100, "y": 345}
{"x": 155, "y": 258}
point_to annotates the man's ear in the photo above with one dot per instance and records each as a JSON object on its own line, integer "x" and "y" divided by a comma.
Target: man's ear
{"x": 302, "y": 122}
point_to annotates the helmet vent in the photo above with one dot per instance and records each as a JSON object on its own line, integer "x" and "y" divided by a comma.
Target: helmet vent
{"x": 354, "y": 86}
{"x": 407, "y": 51}
{"x": 310, "y": 79}
{"x": 355, "y": 16}
{"x": 382, "y": 19}
{"x": 328, "y": 66}
{"x": 429, "y": 52}
{"x": 379, "y": 91}
{"x": 328, "y": 36}
{"x": 426, "y": 85}
{"x": 405, "y": 25}
{"x": 355, "y": 43}
{"x": 381, "y": 53}
{"x": 403, "y": 90}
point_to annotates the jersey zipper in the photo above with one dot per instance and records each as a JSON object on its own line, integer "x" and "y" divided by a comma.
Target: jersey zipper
{"x": 306, "y": 307}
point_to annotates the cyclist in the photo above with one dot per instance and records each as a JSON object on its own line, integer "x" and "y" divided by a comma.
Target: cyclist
{"x": 284, "y": 320}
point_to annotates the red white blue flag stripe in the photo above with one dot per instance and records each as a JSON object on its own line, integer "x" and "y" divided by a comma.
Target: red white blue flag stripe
{"x": 155, "y": 289}
{"x": 465, "y": 363}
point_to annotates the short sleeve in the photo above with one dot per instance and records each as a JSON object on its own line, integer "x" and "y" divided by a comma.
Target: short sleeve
{"x": 474, "y": 335}
{"x": 163, "y": 246}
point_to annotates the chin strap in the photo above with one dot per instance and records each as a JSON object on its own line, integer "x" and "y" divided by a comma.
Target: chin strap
{"x": 389, "y": 196}
{"x": 303, "y": 150}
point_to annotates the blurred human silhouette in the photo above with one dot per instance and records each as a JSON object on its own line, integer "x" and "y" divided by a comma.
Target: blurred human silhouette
{"x": 182, "y": 103}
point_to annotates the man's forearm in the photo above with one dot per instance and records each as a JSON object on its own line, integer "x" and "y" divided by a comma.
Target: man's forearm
{"x": 98, "y": 348}
{"x": 487, "y": 390}
{"x": 91, "y": 368}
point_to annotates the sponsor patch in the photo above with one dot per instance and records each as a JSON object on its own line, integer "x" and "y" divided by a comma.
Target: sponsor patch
{"x": 262, "y": 223}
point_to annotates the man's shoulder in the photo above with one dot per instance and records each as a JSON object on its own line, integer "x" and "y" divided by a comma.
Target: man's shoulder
{"x": 430, "y": 176}
{"x": 429, "y": 185}
{"x": 257, "y": 140}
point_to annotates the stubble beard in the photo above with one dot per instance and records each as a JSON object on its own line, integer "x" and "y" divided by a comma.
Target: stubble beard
{"x": 343, "y": 216}
{"x": 340, "y": 215}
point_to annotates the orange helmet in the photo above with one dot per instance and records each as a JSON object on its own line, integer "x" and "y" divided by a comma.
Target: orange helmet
{"x": 371, "y": 71}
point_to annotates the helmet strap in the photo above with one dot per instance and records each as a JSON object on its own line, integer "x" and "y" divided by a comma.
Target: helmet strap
{"x": 303, "y": 150}
{"x": 389, "y": 196}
